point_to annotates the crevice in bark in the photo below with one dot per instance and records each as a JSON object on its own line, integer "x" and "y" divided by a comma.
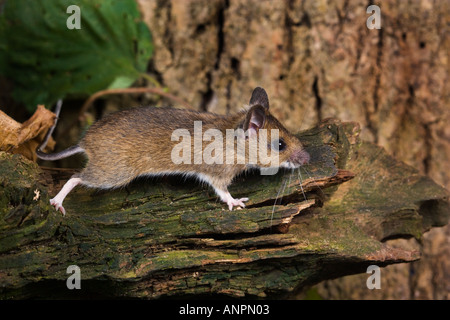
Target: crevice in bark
{"x": 288, "y": 45}
{"x": 220, "y": 33}
{"x": 288, "y": 25}
{"x": 428, "y": 139}
{"x": 168, "y": 34}
{"x": 375, "y": 97}
{"x": 236, "y": 67}
{"x": 151, "y": 69}
{"x": 378, "y": 75}
{"x": 208, "y": 95}
{"x": 228, "y": 95}
{"x": 318, "y": 106}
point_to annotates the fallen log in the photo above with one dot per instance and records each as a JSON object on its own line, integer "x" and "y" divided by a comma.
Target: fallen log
{"x": 170, "y": 237}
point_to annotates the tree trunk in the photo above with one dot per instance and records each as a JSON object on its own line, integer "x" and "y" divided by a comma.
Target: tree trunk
{"x": 172, "y": 238}
{"x": 319, "y": 60}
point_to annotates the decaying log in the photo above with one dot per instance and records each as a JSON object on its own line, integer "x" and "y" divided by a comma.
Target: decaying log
{"x": 171, "y": 237}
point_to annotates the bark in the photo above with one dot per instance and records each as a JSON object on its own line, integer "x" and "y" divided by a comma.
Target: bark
{"x": 318, "y": 60}
{"x": 172, "y": 238}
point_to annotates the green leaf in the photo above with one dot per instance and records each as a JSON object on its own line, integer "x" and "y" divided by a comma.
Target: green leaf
{"x": 47, "y": 61}
{"x": 121, "y": 82}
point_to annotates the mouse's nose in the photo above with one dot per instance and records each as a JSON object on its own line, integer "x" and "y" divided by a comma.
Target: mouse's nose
{"x": 300, "y": 157}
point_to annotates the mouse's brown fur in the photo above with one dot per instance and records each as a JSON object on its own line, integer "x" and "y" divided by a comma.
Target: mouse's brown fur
{"x": 138, "y": 142}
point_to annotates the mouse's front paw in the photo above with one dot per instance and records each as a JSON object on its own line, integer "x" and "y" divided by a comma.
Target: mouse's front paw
{"x": 236, "y": 202}
{"x": 58, "y": 206}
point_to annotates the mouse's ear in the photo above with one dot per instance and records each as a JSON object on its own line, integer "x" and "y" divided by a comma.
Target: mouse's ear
{"x": 254, "y": 120}
{"x": 259, "y": 97}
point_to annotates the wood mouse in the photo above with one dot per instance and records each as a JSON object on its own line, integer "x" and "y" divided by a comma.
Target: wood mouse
{"x": 140, "y": 142}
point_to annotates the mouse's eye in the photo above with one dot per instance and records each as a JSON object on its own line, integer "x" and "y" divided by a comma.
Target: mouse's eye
{"x": 278, "y": 145}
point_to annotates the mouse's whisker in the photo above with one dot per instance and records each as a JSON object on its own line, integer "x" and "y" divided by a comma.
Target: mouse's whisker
{"x": 314, "y": 180}
{"x": 276, "y": 199}
{"x": 290, "y": 177}
{"x": 301, "y": 183}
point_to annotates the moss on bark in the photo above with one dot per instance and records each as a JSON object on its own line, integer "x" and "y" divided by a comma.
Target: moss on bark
{"x": 170, "y": 237}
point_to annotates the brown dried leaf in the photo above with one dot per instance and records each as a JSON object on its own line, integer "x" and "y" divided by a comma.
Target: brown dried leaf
{"x": 25, "y": 138}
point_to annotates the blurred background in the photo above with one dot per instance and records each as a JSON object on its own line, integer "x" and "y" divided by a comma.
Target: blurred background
{"x": 316, "y": 59}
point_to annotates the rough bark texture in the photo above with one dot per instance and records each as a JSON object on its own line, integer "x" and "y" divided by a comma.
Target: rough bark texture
{"x": 166, "y": 238}
{"x": 317, "y": 59}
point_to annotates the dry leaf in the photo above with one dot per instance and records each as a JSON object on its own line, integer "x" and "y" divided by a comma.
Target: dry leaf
{"x": 37, "y": 194}
{"x": 26, "y": 137}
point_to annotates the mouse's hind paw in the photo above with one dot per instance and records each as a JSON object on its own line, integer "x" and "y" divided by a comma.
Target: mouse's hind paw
{"x": 226, "y": 197}
{"x": 236, "y": 203}
{"x": 58, "y": 206}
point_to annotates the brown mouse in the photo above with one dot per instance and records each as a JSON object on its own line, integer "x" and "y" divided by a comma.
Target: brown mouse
{"x": 150, "y": 141}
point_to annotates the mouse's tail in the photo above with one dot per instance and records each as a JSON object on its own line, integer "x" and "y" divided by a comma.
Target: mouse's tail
{"x": 59, "y": 155}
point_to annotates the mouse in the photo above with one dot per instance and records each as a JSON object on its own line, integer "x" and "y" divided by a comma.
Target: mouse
{"x": 159, "y": 141}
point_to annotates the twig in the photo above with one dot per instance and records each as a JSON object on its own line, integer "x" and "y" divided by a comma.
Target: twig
{"x": 52, "y": 128}
{"x": 158, "y": 91}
